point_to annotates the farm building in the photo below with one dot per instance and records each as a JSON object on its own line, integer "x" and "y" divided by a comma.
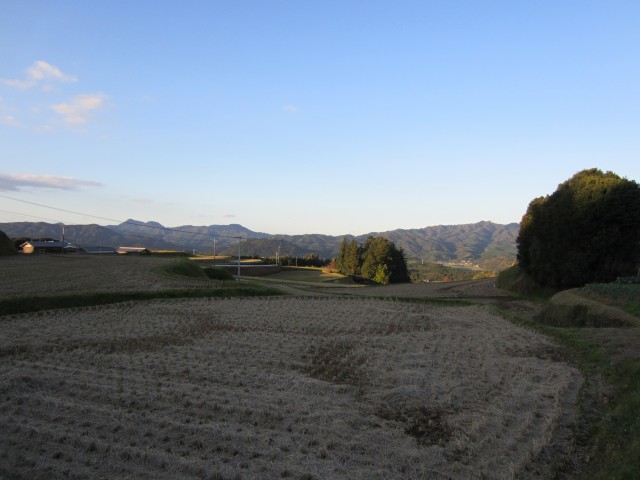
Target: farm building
{"x": 48, "y": 247}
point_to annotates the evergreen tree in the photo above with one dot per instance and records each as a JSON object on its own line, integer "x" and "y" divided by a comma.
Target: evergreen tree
{"x": 588, "y": 230}
{"x": 377, "y": 259}
{"x": 340, "y": 261}
{"x": 376, "y": 253}
{"x": 399, "y": 270}
{"x": 352, "y": 259}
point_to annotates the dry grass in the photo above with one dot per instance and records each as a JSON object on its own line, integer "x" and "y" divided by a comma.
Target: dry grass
{"x": 278, "y": 388}
{"x": 463, "y": 289}
{"x": 42, "y": 275}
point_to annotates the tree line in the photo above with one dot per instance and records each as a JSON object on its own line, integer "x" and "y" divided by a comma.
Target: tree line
{"x": 377, "y": 259}
{"x": 310, "y": 260}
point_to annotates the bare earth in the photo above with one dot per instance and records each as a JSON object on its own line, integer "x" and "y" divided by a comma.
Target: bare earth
{"x": 290, "y": 387}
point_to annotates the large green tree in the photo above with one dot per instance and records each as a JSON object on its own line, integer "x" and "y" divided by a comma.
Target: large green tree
{"x": 588, "y": 230}
{"x": 378, "y": 260}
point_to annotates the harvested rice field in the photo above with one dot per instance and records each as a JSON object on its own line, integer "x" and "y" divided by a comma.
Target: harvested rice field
{"x": 280, "y": 387}
{"x": 45, "y": 275}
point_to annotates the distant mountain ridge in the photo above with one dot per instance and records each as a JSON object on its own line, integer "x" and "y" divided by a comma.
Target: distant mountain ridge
{"x": 488, "y": 244}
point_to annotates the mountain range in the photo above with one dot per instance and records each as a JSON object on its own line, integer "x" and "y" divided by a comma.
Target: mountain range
{"x": 491, "y": 245}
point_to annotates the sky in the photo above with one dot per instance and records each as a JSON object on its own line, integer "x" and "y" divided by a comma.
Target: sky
{"x": 293, "y": 117}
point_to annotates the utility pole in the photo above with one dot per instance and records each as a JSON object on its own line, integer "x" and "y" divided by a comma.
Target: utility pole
{"x": 239, "y": 240}
{"x": 214, "y": 251}
{"x": 62, "y": 238}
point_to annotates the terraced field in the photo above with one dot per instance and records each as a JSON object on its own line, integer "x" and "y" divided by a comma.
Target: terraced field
{"x": 283, "y": 387}
{"x": 44, "y": 275}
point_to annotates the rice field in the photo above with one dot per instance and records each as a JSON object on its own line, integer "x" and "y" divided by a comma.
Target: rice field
{"x": 44, "y": 275}
{"x": 279, "y": 387}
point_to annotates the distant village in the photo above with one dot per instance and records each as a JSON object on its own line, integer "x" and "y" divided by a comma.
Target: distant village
{"x": 57, "y": 246}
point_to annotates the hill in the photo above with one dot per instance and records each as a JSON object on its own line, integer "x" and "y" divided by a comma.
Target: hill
{"x": 491, "y": 245}
{"x": 485, "y": 243}
{"x": 189, "y": 237}
{"x": 81, "y": 234}
{"x": 265, "y": 247}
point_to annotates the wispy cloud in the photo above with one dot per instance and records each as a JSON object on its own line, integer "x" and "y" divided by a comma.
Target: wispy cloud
{"x": 79, "y": 110}
{"x": 15, "y": 182}
{"x": 229, "y": 215}
{"x": 72, "y": 111}
{"x": 291, "y": 108}
{"x": 11, "y": 121}
{"x": 40, "y": 73}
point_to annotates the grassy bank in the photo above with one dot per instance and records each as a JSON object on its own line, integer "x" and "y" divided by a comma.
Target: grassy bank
{"x": 35, "y": 304}
{"x": 622, "y": 295}
{"x": 607, "y": 435}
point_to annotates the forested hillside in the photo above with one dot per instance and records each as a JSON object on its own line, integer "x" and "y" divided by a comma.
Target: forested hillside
{"x": 490, "y": 245}
{"x": 82, "y": 234}
{"x": 189, "y": 237}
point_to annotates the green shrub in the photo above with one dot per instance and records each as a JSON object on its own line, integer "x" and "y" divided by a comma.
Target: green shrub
{"x": 185, "y": 268}
{"x": 217, "y": 273}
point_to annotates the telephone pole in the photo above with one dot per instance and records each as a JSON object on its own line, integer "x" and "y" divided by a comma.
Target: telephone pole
{"x": 62, "y": 238}
{"x": 239, "y": 240}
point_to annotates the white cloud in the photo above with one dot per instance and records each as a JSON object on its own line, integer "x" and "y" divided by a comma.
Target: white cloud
{"x": 40, "y": 72}
{"x": 74, "y": 111}
{"x": 291, "y": 108}
{"x": 11, "y": 121}
{"x": 14, "y": 182}
{"x": 78, "y": 112}
{"x": 229, "y": 215}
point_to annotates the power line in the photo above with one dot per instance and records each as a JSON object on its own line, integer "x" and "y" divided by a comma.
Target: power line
{"x": 176, "y": 230}
{"x": 137, "y": 235}
{"x": 127, "y": 222}
{"x": 31, "y": 216}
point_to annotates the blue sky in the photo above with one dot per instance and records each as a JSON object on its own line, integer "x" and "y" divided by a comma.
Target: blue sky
{"x": 297, "y": 117}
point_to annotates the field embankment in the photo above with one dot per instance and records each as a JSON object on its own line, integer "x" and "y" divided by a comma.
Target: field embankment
{"x": 43, "y": 282}
{"x": 42, "y": 275}
{"x": 575, "y": 308}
